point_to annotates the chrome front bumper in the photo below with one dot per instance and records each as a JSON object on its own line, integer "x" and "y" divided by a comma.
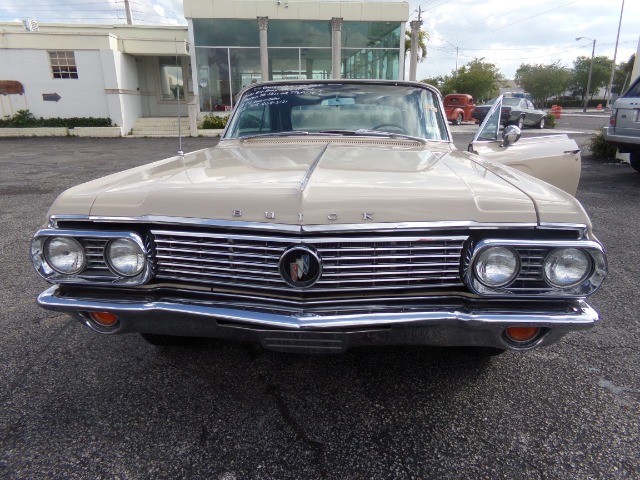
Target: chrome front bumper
{"x": 467, "y": 326}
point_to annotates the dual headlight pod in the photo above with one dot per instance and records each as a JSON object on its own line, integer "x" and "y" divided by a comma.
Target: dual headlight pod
{"x": 98, "y": 256}
{"x": 566, "y": 268}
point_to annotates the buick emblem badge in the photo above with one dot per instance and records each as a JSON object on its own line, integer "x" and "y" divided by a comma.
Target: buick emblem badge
{"x": 300, "y": 266}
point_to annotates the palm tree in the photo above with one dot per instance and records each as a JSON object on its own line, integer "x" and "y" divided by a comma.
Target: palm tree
{"x": 423, "y": 37}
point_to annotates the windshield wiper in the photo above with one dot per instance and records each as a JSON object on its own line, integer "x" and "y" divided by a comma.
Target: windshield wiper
{"x": 375, "y": 133}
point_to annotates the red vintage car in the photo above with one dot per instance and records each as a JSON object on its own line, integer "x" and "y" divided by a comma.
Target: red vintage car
{"x": 458, "y": 108}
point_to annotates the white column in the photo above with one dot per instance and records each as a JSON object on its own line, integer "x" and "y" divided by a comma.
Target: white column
{"x": 413, "y": 61}
{"x": 402, "y": 57}
{"x": 336, "y": 47}
{"x": 263, "y": 25}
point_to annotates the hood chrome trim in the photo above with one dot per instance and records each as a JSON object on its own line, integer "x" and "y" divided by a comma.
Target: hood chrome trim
{"x": 359, "y": 227}
{"x": 311, "y": 169}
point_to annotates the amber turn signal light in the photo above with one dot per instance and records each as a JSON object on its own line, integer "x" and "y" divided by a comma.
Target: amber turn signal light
{"x": 104, "y": 319}
{"x": 522, "y": 334}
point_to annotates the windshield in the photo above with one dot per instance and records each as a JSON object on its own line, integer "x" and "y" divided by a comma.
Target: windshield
{"x": 338, "y": 108}
{"x": 511, "y": 101}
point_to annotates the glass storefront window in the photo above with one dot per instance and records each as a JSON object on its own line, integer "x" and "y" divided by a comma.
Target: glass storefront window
{"x": 225, "y": 32}
{"x": 222, "y": 73}
{"x": 171, "y": 83}
{"x": 295, "y": 33}
{"x": 228, "y": 54}
{"x": 371, "y": 35}
{"x": 370, "y": 63}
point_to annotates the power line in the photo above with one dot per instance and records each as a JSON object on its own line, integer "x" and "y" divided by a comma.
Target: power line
{"x": 519, "y": 21}
{"x": 493, "y": 16}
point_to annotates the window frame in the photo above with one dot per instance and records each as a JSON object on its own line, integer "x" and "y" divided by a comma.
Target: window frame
{"x": 67, "y": 70}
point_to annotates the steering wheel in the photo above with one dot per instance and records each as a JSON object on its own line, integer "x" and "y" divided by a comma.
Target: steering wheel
{"x": 392, "y": 125}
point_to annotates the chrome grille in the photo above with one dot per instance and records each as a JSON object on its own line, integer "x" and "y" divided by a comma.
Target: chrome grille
{"x": 94, "y": 250}
{"x": 349, "y": 263}
{"x": 530, "y": 280}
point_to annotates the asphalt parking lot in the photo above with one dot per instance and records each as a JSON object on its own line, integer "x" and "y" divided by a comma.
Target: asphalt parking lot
{"x": 77, "y": 405}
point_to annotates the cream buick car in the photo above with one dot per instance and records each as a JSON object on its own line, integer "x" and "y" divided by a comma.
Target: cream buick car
{"x": 333, "y": 214}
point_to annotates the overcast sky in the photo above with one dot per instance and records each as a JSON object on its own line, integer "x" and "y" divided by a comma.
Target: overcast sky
{"x": 507, "y": 33}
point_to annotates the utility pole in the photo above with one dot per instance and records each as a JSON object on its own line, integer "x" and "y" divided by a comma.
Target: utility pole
{"x": 615, "y": 53}
{"x": 413, "y": 60}
{"x": 127, "y": 9}
{"x": 593, "y": 51}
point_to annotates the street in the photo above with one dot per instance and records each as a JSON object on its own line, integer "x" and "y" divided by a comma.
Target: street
{"x": 77, "y": 405}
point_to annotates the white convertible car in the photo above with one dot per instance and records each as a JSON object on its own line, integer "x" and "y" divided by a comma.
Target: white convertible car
{"x": 333, "y": 214}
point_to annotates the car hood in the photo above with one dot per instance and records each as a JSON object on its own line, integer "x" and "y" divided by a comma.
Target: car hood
{"x": 323, "y": 182}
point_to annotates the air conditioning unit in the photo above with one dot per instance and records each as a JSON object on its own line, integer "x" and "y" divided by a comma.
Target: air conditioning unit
{"x": 31, "y": 25}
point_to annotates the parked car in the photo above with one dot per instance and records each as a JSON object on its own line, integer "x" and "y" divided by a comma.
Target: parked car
{"x": 458, "y": 108}
{"x": 515, "y": 111}
{"x": 333, "y": 214}
{"x": 624, "y": 124}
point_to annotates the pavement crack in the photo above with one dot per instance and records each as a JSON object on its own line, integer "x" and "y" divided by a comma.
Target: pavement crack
{"x": 316, "y": 447}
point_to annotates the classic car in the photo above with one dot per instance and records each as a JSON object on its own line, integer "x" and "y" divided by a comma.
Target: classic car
{"x": 515, "y": 111}
{"x": 333, "y": 214}
{"x": 624, "y": 124}
{"x": 458, "y": 108}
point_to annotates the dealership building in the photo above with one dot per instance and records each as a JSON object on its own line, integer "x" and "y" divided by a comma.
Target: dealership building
{"x": 243, "y": 41}
{"x": 128, "y": 72}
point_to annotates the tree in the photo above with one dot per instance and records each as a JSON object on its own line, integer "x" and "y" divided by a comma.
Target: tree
{"x": 437, "y": 82}
{"x": 423, "y": 36}
{"x": 543, "y": 81}
{"x": 599, "y": 78}
{"x": 623, "y": 75}
{"x": 477, "y": 78}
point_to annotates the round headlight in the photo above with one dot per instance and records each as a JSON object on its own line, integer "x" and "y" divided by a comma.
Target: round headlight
{"x": 65, "y": 255}
{"x": 125, "y": 257}
{"x": 497, "y": 266}
{"x": 566, "y": 267}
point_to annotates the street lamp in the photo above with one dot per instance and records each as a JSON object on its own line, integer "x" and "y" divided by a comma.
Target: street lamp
{"x": 593, "y": 50}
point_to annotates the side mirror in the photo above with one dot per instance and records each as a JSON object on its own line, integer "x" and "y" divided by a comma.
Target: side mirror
{"x": 510, "y": 135}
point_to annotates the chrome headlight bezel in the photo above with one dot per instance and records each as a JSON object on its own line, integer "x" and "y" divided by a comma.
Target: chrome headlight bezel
{"x": 96, "y": 270}
{"x": 587, "y": 285}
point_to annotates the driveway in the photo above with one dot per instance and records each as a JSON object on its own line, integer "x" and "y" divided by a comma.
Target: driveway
{"x": 77, "y": 405}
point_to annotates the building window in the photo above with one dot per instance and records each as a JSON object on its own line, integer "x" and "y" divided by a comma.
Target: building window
{"x": 63, "y": 64}
{"x": 171, "y": 78}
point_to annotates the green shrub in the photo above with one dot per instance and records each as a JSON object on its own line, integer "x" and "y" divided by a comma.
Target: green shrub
{"x": 25, "y": 119}
{"x": 575, "y": 103}
{"x": 214, "y": 122}
{"x": 550, "y": 121}
{"x": 599, "y": 148}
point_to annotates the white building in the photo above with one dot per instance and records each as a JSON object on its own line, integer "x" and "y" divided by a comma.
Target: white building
{"x": 122, "y": 72}
{"x": 126, "y": 72}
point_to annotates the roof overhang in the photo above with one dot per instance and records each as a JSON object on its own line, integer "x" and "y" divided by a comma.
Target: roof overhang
{"x": 358, "y": 11}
